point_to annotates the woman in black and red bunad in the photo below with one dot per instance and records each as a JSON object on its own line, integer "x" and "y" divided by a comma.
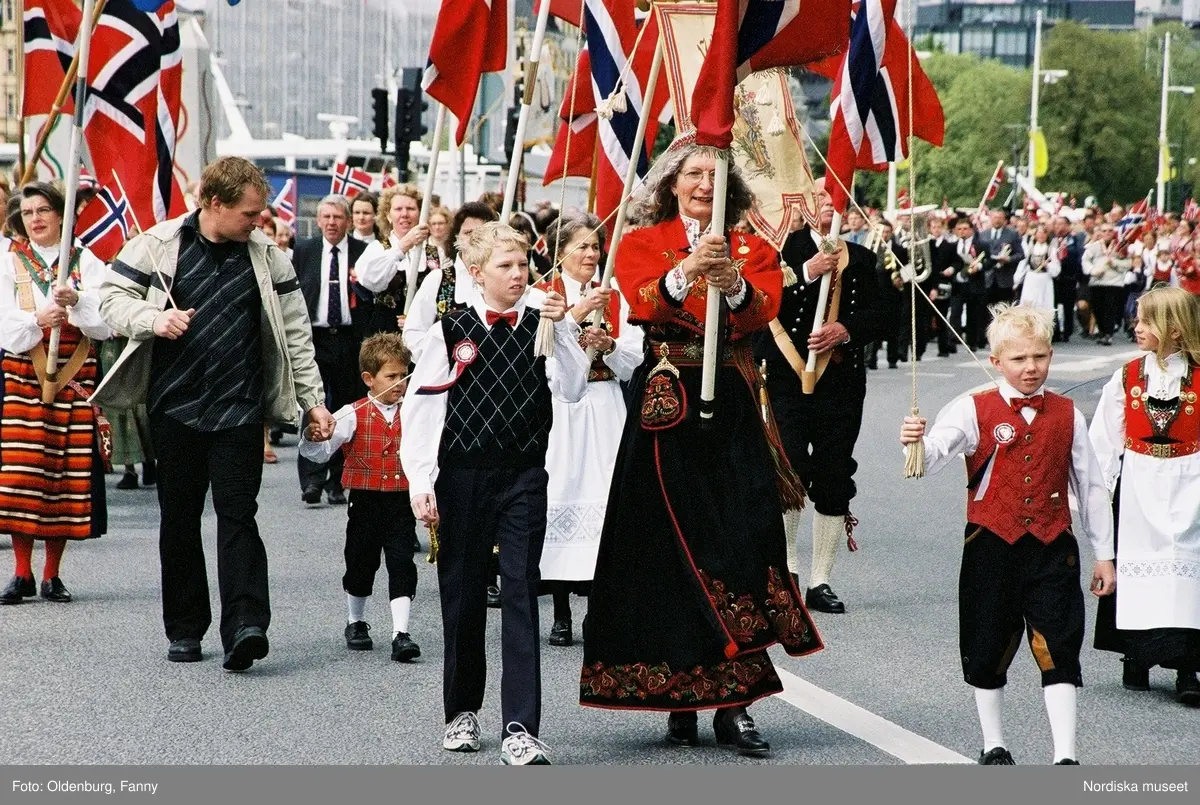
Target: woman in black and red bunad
{"x": 692, "y": 584}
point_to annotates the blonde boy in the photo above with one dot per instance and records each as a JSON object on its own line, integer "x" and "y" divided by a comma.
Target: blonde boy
{"x": 1025, "y": 448}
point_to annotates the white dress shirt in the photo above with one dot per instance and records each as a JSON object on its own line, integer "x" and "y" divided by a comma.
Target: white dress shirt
{"x": 322, "y": 317}
{"x": 378, "y": 264}
{"x": 423, "y": 416}
{"x": 343, "y": 432}
{"x": 956, "y": 433}
{"x": 19, "y": 330}
{"x": 423, "y": 313}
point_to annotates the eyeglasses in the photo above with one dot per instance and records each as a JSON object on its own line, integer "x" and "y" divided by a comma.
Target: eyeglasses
{"x": 696, "y": 176}
{"x": 40, "y": 212}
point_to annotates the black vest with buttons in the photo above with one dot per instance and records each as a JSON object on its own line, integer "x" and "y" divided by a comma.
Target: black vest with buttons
{"x": 859, "y": 310}
{"x": 499, "y": 412}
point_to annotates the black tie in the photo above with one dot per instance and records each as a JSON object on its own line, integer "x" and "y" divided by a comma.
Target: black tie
{"x": 334, "y": 314}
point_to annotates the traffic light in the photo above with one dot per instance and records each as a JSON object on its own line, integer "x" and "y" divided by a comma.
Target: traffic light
{"x": 510, "y": 131}
{"x": 379, "y": 114}
{"x": 403, "y": 100}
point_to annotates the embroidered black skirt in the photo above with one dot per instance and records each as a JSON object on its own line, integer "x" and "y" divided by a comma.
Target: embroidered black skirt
{"x": 691, "y": 583}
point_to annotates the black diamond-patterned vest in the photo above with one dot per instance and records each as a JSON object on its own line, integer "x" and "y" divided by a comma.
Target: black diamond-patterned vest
{"x": 498, "y": 413}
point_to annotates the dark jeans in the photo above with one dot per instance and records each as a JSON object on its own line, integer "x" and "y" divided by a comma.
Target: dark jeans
{"x": 480, "y": 508}
{"x": 975, "y": 306}
{"x": 188, "y": 462}
{"x": 380, "y": 522}
{"x": 337, "y": 359}
{"x": 1065, "y": 293}
{"x": 1108, "y": 305}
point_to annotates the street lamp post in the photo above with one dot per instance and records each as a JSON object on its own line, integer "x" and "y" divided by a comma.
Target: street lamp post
{"x": 1040, "y": 77}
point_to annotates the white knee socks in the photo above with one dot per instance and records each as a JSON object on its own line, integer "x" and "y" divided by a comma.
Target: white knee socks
{"x": 827, "y": 533}
{"x": 1060, "y": 707}
{"x": 990, "y": 704}
{"x": 400, "y": 609}
{"x": 791, "y": 531}
{"x": 357, "y": 607}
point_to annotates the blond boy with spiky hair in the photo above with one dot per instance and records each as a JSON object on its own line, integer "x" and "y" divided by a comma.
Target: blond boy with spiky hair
{"x": 1025, "y": 449}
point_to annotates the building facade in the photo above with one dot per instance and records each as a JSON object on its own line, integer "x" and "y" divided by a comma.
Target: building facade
{"x": 994, "y": 29}
{"x": 10, "y": 70}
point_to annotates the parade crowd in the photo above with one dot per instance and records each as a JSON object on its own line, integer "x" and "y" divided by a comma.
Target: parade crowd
{"x": 486, "y": 379}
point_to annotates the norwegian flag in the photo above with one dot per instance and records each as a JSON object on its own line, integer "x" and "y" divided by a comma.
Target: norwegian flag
{"x": 349, "y": 181}
{"x": 1191, "y": 210}
{"x": 133, "y": 105}
{"x": 470, "y": 38}
{"x": 870, "y": 99}
{"x": 285, "y": 202}
{"x": 612, "y": 33}
{"x": 1134, "y": 223}
{"x": 582, "y": 122}
{"x": 565, "y": 10}
{"x": 751, "y": 35}
{"x": 104, "y": 223}
{"x": 386, "y": 180}
{"x": 994, "y": 184}
{"x": 50, "y": 28}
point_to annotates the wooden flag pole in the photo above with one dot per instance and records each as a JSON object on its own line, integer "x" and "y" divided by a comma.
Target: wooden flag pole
{"x": 67, "y": 240}
{"x": 418, "y": 251}
{"x": 712, "y": 327}
{"x": 639, "y": 139}
{"x": 809, "y": 380}
{"x": 531, "y": 71}
{"x": 85, "y": 34}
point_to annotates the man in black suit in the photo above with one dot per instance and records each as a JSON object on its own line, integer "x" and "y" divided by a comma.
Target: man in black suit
{"x": 967, "y": 262}
{"x": 1068, "y": 246}
{"x": 324, "y": 267}
{"x": 1006, "y": 252}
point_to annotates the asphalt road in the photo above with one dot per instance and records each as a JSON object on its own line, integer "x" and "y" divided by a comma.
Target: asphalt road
{"x": 88, "y": 682}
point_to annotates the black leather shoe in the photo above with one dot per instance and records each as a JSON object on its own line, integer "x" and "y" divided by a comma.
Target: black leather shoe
{"x": 149, "y": 472}
{"x": 560, "y": 634}
{"x": 1065, "y": 762}
{"x": 185, "y": 649}
{"x": 1187, "y": 689}
{"x": 128, "y": 481}
{"x": 734, "y": 727}
{"x": 823, "y": 599}
{"x": 682, "y": 730}
{"x": 357, "y": 638}
{"x": 404, "y": 649}
{"x": 311, "y": 494}
{"x": 336, "y": 497}
{"x": 249, "y": 644}
{"x": 996, "y": 757}
{"x": 54, "y": 590}
{"x": 16, "y": 589}
{"x": 1134, "y": 676}
{"x": 493, "y": 597}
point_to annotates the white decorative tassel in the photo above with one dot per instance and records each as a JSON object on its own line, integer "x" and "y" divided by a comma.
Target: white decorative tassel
{"x": 914, "y": 455}
{"x": 543, "y": 343}
{"x": 775, "y": 127}
{"x": 763, "y": 96}
{"x": 789, "y": 276}
{"x": 614, "y": 104}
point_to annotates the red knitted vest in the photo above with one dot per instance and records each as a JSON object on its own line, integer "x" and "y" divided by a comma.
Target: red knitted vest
{"x": 373, "y": 455}
{"x": 1017, "y": 478}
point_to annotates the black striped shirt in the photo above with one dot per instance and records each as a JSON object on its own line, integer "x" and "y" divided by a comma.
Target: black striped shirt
{"x": 211, "y": 378}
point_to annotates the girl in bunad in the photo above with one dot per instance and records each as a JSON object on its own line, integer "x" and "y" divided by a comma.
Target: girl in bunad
{"x": 1037, "y": 271}
{"x": 586, "y": 434}
{"x": 51, "y": 473}
{"x": 1146, "y": 434}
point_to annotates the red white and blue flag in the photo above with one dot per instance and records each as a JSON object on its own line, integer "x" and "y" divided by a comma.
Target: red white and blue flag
{"x": 751, "y": 35}
{"x": 470, "y": 38}
{"x": 580, "y": 120}
{"x": 612, "y": 33}
{"x": 285, "y": 203}
{"x": 869, "y": 111}
{"x": 104, "y": 223}
{"x": 349, "y": 181}
{"x": 50, "y": 28}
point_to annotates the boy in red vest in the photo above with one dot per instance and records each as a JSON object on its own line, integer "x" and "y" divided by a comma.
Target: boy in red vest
{"x": 1025, "y": 449}
{"x": 380, "y": 517}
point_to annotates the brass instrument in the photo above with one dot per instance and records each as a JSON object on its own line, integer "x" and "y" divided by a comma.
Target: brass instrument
{"x": 920, "y": 253}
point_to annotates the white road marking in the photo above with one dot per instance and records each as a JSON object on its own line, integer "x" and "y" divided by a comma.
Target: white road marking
{"x": 863, "y": 724}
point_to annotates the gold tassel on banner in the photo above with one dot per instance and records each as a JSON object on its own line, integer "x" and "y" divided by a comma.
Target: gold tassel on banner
{"x": 433, "y": 545}
{"x": 543, "y": 343}
{"x": 914, "y": 455}
{"x": 789, "y": 276}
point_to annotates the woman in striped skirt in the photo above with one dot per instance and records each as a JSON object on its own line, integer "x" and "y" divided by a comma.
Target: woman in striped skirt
{"x": 51, "y": 478}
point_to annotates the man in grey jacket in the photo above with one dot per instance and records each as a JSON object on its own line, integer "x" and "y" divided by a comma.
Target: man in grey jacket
{"x": 219, "y": 343}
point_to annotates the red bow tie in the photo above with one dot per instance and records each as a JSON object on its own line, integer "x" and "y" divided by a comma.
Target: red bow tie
{"x": 1018, "y": 403}
{"x": 510, "y": 317}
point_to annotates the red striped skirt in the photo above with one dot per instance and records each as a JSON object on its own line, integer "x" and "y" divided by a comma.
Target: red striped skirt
{"x": 46, "y": 450}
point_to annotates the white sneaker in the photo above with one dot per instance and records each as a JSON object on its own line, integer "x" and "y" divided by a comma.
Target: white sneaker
{"x": 462, "y": 734}
{"x": 522, "y": 749}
